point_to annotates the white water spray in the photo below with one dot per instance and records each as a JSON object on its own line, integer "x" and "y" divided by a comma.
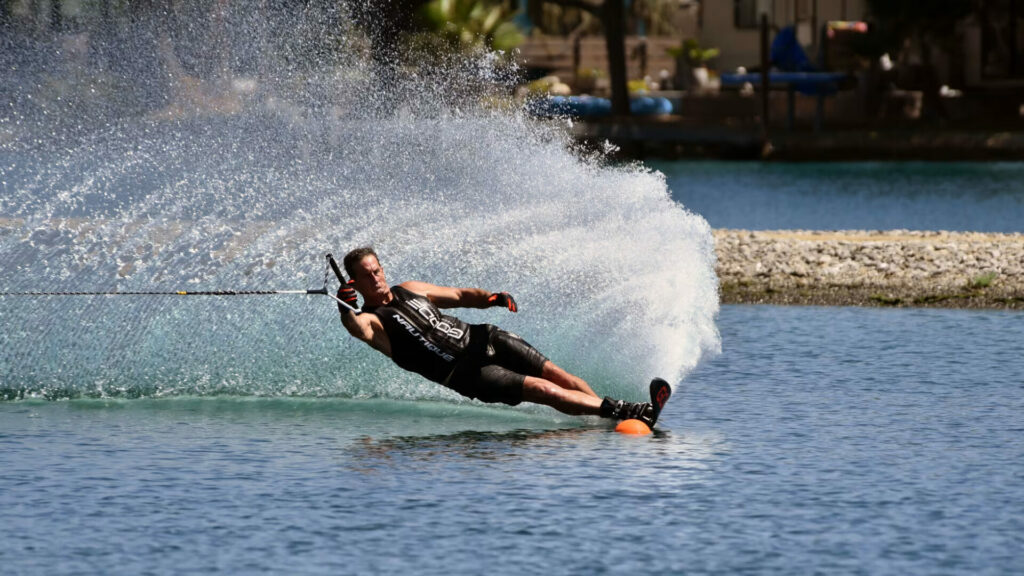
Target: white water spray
{"x": 615, "y": 281}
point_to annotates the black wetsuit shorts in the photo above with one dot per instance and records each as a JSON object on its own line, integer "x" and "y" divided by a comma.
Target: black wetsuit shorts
{"x": 496, "y": 366}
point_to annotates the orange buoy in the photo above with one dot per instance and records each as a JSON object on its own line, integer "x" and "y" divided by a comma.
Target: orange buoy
{"x": 633, "y": 426}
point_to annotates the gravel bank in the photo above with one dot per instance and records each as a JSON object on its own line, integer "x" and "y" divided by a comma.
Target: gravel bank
{"x": 872, "y": 268}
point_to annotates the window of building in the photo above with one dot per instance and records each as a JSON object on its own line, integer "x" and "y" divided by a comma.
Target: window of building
{"x": 1002, "y": 38}
{"x": 802, "y": 10}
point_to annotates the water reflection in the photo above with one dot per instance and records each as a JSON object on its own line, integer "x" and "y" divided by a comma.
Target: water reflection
{"x": 466, "y": 444}
{"x": 592, "y": 444}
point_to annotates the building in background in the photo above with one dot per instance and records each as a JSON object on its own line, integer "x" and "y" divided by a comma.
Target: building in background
{"x": 734, "y": 25}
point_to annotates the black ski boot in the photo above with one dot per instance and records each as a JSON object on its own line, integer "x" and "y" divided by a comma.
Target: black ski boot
{"x": 622, "y": 410}
{"x": 646, "y": 412}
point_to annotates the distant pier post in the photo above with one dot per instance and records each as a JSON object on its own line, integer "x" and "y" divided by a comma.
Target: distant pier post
{"x": 765, "y": 83}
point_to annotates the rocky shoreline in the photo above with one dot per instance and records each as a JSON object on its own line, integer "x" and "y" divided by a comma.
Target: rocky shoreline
{"x": 871, "y": 268}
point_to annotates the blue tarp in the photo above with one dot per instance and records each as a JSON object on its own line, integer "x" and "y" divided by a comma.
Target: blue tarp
{"x": 788, "y": 55}
{"x": 811, "y": 83}
{"x": 590, "y": 107}
{"x": 791, "y": 66}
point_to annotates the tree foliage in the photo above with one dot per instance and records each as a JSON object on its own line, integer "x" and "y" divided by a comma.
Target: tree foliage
{"x": 472, "y": 23}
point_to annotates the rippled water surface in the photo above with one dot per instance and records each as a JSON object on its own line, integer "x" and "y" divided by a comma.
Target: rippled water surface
{"x": 250, "y": 435}
{"x": 976, "y": 196}
{"x": 822, "y": 440}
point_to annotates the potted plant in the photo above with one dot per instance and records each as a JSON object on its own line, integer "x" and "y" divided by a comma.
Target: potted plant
{"x": 691, "y": 63}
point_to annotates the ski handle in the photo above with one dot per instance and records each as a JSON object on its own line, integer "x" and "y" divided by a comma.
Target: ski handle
{"x": 334, "y": 266}
{"x": 341, "y": 278}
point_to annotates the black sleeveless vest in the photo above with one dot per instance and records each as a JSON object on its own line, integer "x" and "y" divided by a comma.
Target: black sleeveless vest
{"x": 422, "y": 339}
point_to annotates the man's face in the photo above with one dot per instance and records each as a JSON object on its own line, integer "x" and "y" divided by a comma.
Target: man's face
{"x": 369, "y": 279}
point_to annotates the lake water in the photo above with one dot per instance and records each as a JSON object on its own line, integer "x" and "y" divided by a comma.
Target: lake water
{"x": 253, "y": 436}
{"x": 822, "y": 440}
{"x": 985, "y": 197}
{"x": 246, "y": 435}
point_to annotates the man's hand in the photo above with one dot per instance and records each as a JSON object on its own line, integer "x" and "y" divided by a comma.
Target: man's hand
{"x": 347, "y": 294}
{"x": 503, "y": 299}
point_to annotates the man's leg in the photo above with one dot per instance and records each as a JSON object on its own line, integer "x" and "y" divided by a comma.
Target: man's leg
{"x": 577, "y": 403}
{"x": 515, "y": 354}
{"x": 567, "y": 401}
{"x": 554, "y": 373}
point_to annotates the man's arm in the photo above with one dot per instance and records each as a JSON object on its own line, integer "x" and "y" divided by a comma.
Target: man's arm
{"x": 368, "y": 328}
{"x": 450, "y": 297}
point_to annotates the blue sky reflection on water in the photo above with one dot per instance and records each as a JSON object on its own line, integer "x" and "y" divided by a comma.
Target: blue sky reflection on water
{"x": 984, "y": 197}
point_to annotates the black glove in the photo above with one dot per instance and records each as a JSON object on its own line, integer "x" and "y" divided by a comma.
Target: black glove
{"x": 503, "y": 299}
{"x": 347, "y": 294}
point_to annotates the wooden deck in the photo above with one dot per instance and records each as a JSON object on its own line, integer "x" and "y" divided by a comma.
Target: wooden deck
{"x": 645, "y": 56}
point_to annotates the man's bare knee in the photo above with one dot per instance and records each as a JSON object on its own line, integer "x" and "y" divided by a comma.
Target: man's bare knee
{"x": 568, "y": 401}
{"x": 536, "y": 389}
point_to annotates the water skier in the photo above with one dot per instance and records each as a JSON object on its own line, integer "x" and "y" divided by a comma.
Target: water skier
{"x": 479, "y": 361}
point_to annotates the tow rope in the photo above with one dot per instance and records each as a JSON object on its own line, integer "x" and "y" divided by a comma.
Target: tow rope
{"x": 331, "y": 265}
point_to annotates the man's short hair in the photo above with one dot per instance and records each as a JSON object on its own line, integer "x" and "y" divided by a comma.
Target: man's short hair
{"x": 353, "y": 258}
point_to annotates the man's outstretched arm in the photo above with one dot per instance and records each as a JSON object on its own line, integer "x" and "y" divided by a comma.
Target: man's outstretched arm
{"x": 450, "y": 297}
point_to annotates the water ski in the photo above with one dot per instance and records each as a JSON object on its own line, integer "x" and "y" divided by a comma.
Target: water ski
{"x": 660, "y": 393}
